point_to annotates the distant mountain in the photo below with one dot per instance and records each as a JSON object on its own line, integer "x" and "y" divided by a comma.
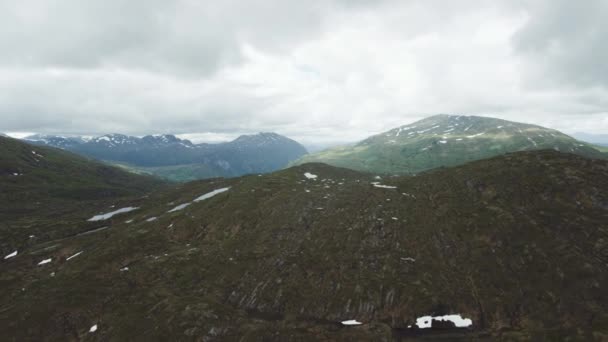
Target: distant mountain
{"x": 514, "y": 245}
{"x": 597, "y": 139}
{"x": 446, "y": 140}
{"x": 178, "y": 159}
{"x": 62, "y": 142}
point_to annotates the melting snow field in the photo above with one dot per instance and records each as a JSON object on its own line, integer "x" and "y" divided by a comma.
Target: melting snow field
{"x": 106, "y": 216}
{"x": 378, "y": 185}
{"x": 11, "y": 255}
{"x": 180, "y": 207}
{"x": 425, "y": 322}
{"x": 211, "y": 194}
{"x": 351, "y": 322}
{"x": 45, "y": 261}
{"x": 310, "y": 175}
{"x": 73, "y": 256}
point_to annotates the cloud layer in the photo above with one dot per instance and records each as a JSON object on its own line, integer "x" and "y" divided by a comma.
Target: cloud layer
{"x": 318, "y": 71}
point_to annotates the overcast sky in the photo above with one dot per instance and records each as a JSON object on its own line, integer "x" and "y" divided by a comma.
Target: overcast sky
{"x": 317, "y": 71}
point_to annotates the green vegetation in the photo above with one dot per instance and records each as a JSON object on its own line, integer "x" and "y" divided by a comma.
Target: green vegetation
{"x": 601, "y": 148}
{"x": 281, "y": 257}
{"x": 446, "y": 140}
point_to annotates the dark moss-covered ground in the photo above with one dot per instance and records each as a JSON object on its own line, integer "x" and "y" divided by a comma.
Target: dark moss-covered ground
{"x": 44, "y": 191}
{"x": 518, "y": 243}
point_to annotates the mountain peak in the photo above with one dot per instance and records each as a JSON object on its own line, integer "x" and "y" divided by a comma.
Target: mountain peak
{"x": 447, "y": 140}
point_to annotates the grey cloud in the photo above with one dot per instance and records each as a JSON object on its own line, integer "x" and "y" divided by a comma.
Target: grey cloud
{"x": 318, "y": 70}
{"x": 187, "y": 38}
{"x": 565, "y": 42}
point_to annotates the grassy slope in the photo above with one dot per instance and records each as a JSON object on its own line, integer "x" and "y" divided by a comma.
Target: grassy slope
{"x": 51, "y": 185}
{"x": 601, "y": 148}
{"x": 429, "y": 144}
{"x": 177, "y": 173}
{"x": 517, "y": 243}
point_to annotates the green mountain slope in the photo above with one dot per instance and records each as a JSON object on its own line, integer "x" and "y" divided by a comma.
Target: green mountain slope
{"x": 41, "y": 185}
{"x": 289, "y": 255}
{"x": 446, "y": 140}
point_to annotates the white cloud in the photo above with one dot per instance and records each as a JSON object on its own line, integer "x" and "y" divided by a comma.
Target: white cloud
{"x": 317, "y": 71}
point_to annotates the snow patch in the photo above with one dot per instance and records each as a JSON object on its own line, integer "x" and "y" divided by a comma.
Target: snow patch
{"x": 93, "y": 329}
{"x": 73, "y": 256}
{"x": 475, "y": 135}
{"x": 45, "y": 261}
{"x": 106, "y": 216}
{"x": 425, "y": 322}
{"x": 11, "y": 255}
{"x": 211, "y": 194}
{"x": 310, "y": 175}
{"x": 180, "y": 207}
{"x": 378, "y": 185}
{"x": 351, "y": 322}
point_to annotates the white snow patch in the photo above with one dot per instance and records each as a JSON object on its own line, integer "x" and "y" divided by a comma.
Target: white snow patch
{"x": 153, "y": 218}
{"x": 45, "y": 261}
{"x": 475, "y": 135}
{"x": 106, "y": 216}
{"x": 310, "y": 175}
{"x": 73, "y": 256}
{"x": 211, "y": 194}
{"x": 351, "y": 322}
{"x": 428, "y": 129}
{"x": 93, "y": 329}
{"x": 378, "y": 185}
{"x": 124, "y": 269}
{"x": 180, "y": 207}
{"x": 11, "y": 255}
{"x": 425, "y": 322}
{"x": 443, "y": 141}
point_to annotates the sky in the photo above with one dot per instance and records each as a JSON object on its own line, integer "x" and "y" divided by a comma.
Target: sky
{"x": 320, "y": 72}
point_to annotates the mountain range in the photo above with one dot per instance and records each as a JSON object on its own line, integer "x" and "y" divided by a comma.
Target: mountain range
{"x": 178, "y": 159}
{"x": 446, "y": 140}
{"x": 312, "y": 252}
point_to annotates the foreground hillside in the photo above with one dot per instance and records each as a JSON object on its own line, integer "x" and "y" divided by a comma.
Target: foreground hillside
{"x": 517, "y": 244}
{"x": 180, "y": 160}
{"x": 42, "y": 185}
{"x": 446, "y": 140}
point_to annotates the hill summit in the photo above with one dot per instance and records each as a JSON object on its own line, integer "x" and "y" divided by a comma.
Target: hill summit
{"x": 446, "y": 140}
